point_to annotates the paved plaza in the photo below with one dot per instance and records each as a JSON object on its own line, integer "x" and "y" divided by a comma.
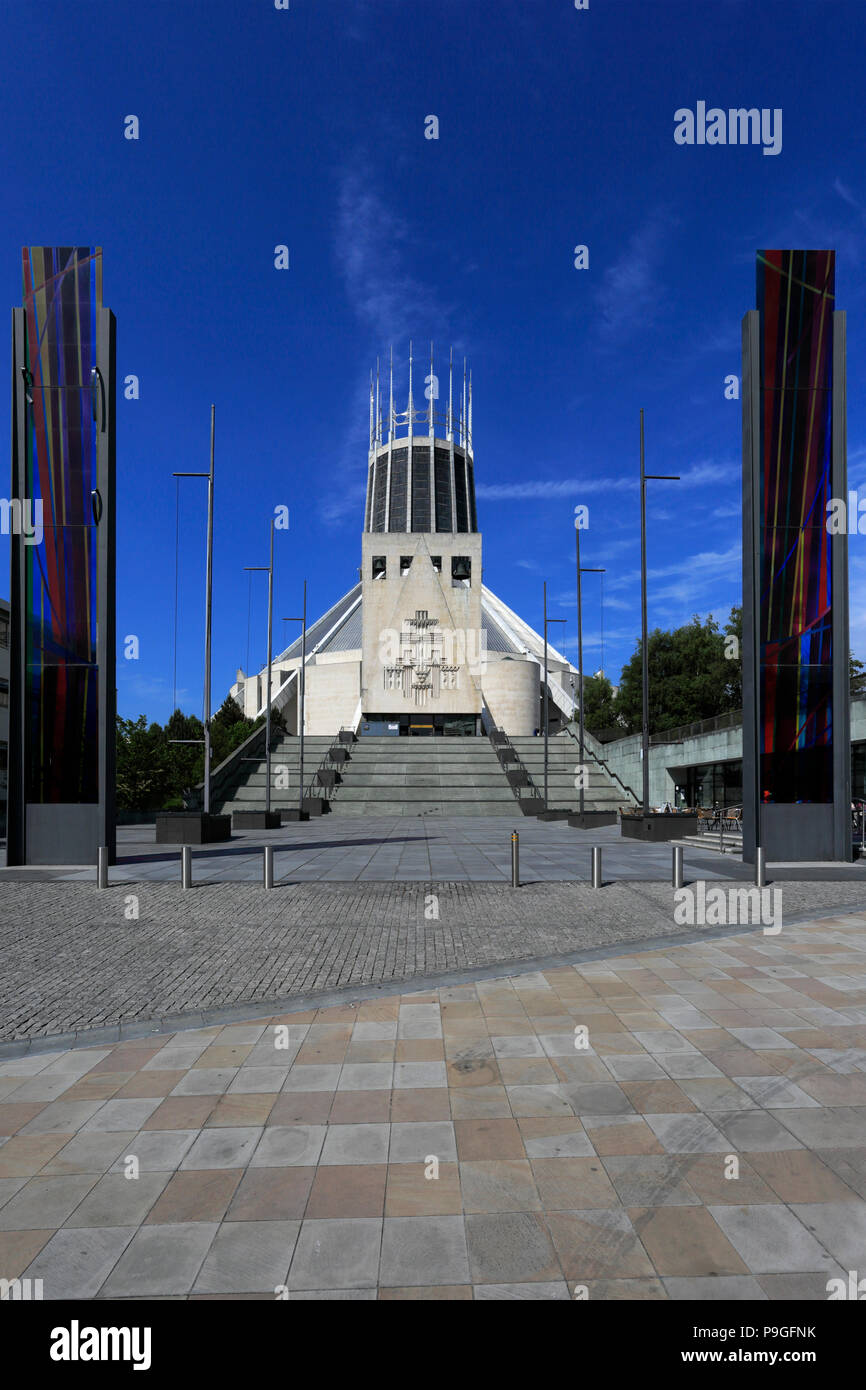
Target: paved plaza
{"x": 391, "y": 849}
{"x": 657, "y": 1124}
{"x": 142, "y": 955}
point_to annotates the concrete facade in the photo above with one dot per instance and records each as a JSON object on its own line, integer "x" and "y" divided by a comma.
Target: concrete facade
{"x": 623, "y": 757}
{"x": 331, "y": 696}
{"x": 668, "y": 760}
{"x": 512, "y": 693}
{"x": 423, "y": 639}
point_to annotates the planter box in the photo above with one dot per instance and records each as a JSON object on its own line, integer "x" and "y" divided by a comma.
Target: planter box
{"x": 338, "y": 755}
{"x": 326, "y": 777}
{"x": 191, "y": 828}
{"x": 346, "y": 736}
{"x": 554, "y": 815}
{"x": 658, "y": 827}
{"x": 295, "y": 815}
{"x": 588, "y": 820}
{"x": 506, "y": 755}
{"x": 256, "y": 820}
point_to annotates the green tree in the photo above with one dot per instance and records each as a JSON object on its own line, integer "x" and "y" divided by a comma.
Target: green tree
{"x": 734, "y": 655}
{"x": 229, "y": 728}
{"x": 185, "y": 734}
{"x": 599, "y": 705}
{"x": 162, "y": 768}
{"x": 144, "y": 775}
{"x": 690, "y": 678}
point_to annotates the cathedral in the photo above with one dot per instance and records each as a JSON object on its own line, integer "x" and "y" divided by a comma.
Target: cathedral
{"x": 420, "y": 646}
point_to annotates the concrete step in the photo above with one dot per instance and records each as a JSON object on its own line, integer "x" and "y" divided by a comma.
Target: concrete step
{"x": 506, "y": 812}
{"x": 386, "y": 776}
{"x": 349, "y": 792}
{"x": 731, "y": 844}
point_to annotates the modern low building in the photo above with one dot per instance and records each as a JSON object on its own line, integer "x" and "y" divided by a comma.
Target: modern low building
{"x": 701, "y": 764}
{"x": 420, "y": 646}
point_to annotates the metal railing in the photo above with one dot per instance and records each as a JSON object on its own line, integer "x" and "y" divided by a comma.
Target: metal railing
{"x": 326, "y": 778}
{"x": 732, "y": 720}
{"x": 571, "y": 730}
{"x": 519, "y": 780}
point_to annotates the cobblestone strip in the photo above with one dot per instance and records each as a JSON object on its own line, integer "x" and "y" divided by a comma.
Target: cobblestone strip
{"x": 71, "y": 958}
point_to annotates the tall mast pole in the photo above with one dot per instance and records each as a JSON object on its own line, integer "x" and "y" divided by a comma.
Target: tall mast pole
{"x": 469, "y": 422}
{"x": 546, "y": 701}
{"x": 270, "y": 667}
{"x": 580, "y": 573}
{"x": 643, "y": 629}
{"x": 662, "y": 478}
{"x": 302, "y": 719}
{"x": 391, "y": 405}
{"x": 208, "y": 617}
{"x": 580, "y": 655}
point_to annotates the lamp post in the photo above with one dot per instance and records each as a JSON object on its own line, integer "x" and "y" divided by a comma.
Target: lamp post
{"x": 269, "y": 570}
{"x": 208, "y": 582}
{"x": 580, "y": 572}
{"x": 301, "y": 693}
{"x": 644, "y": 477}
{"x": 547, "y": 621}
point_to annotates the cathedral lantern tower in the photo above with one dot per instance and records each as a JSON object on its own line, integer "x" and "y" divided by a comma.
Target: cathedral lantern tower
{"x": 423, "y": 638}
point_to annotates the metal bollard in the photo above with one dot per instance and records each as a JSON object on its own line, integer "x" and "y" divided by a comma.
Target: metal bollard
{"x": 677, "y": 872}
{"x": 760, "y": 868}
{"x": 596, "y": 866}
{"x": 186, "y": 867}
{"x": 515, "y": 859}
{"x": 269, "y": 866}
{"x": 102, "y": 866}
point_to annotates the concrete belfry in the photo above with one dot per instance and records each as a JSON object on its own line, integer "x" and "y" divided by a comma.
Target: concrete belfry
{"x": 423, "y": 640}
{"x": 420, "y": 472}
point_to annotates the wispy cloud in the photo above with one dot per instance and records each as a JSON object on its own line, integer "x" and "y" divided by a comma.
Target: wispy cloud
{"x": 373, "y": 245}
{"x": 707, "y": 473}
{"x": 847, "y": 196}
{"x": 630, "y": 292}
{"x": 543, "y": 488}
{"x": 708, "y": 563}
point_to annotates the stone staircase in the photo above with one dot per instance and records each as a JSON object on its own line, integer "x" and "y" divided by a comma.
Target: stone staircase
{"x": 601, "y": 794}
{"x": 393, "y": 776}
{"x": 422, "y": 777}
{"x": 246, "y": 789}
{"x": 730, "y": 842}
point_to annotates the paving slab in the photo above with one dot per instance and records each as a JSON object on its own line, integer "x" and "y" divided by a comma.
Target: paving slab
{"x": 432, "y": 1157}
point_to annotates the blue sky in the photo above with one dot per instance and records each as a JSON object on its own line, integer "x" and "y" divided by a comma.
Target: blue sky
{"x": 260, "y": 127}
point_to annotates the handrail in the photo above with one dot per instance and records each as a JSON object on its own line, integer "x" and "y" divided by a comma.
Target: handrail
{"x": 321, "y": 789}
{"x": 602, "y": 762}
{"x": 220, "y": 773}
{"x": 501, "y": 740}
{"x": 731, "y": 719}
